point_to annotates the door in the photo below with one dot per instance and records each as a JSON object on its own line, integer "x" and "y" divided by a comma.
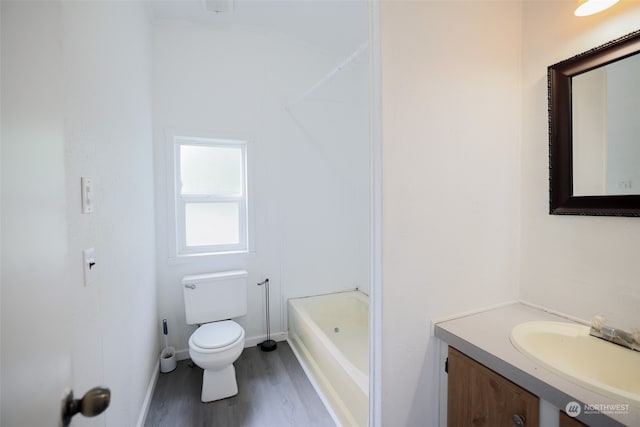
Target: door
{"x": 37, "y": 351}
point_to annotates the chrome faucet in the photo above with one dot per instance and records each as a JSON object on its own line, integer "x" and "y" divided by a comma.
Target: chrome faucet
{"x": 617, "y": 336}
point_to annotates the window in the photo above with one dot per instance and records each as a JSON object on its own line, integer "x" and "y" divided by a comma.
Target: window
{"x": 210, "y": 195}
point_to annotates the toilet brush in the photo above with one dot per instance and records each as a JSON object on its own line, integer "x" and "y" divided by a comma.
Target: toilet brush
{"x": 268, "y": 344}
{"x": 168, "y": 355}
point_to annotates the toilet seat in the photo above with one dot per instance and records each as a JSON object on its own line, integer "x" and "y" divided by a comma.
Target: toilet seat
{"x": 216, "y": 335}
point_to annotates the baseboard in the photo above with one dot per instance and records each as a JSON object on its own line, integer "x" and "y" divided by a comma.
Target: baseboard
{"x": 149, "y": 395}
{"x": 182, "y": 354}
{"x": 248, "y": 342}
{"x": 254, "y": 341}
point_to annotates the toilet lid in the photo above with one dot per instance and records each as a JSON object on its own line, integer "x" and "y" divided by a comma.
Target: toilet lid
{"x": 217, "y": 334}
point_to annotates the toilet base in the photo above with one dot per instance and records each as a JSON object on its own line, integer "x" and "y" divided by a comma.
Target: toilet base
{"x": 220, "y": 384}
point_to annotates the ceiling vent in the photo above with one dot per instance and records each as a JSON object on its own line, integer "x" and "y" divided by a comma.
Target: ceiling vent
{"x": 218, "y": 6}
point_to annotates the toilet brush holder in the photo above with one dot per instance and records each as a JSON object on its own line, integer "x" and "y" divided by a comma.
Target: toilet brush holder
{"x": 168, "y": 360}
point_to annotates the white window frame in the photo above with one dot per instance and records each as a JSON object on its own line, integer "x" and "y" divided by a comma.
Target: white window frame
{"x": 178, "y": 201}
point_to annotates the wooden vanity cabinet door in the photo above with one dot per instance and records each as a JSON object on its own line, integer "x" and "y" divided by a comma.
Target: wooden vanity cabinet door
{"x": 567, "y": 421}
{"x": 479, "y": 397}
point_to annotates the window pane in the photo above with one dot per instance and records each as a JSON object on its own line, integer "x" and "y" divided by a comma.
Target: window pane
{"x": 211, "y": 170}
{"x": 212, "y": 224}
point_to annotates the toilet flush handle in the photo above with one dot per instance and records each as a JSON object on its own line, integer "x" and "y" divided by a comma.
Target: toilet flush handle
{"x": 192, "y": 286}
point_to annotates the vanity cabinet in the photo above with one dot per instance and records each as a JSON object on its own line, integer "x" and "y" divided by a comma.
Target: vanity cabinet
{"x": 479, "y": 397}
{"x": 567, "y": 421}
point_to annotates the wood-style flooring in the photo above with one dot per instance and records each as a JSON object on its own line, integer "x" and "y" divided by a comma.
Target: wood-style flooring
{"x": 273, "y": 391}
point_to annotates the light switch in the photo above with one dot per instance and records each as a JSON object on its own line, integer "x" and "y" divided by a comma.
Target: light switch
{"x": 87, "y": 194}
{"x": 89, "y": 266}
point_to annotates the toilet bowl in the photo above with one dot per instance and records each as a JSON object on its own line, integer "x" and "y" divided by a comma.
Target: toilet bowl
{"x": 214, "y": 347}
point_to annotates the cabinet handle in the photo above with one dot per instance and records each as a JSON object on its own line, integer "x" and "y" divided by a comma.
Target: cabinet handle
{"x": 518, "y": 420}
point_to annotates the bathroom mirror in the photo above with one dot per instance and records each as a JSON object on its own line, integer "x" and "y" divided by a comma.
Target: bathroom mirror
{"x": 594, "y": 131}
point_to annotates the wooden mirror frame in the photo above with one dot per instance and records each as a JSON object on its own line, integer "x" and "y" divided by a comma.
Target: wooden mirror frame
{"x": 561, "y": 198}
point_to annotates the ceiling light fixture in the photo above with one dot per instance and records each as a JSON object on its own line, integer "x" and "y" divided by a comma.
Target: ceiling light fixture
{"x": 218, "y": 6}
{"x": 590, "y": 7}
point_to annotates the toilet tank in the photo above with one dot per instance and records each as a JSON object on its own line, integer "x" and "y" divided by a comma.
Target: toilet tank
{"x": 215, "y": 296}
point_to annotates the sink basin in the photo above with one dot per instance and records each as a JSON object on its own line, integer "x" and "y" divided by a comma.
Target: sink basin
{"x": 568, "y": 350}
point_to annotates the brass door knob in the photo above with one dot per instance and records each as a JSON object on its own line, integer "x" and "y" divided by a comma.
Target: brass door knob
{"x": 93, "y": 403}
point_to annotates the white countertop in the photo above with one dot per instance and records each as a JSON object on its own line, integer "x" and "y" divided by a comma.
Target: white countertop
{"x": 485, "y": 337}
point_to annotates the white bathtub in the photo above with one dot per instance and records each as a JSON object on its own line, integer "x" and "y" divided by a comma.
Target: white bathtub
{"x": 330, "y": 336}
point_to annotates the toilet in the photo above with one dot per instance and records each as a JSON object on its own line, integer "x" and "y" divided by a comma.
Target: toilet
{"x": 211, "y": 301}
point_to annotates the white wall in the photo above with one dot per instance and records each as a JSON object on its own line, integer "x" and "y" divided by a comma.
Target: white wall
{"x": 578, "y": 265}
{"x": 102, "y": 114}
{"x": 310, "y": 190}
{"x": 107, "y": 57}
{"x": 451, "y": 132}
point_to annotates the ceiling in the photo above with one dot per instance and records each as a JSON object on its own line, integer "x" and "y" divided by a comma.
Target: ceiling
{"x": 326, "y": 24}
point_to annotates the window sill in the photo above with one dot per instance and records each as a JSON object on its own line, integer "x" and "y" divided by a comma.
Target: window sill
{"x": 194, "y": 257}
